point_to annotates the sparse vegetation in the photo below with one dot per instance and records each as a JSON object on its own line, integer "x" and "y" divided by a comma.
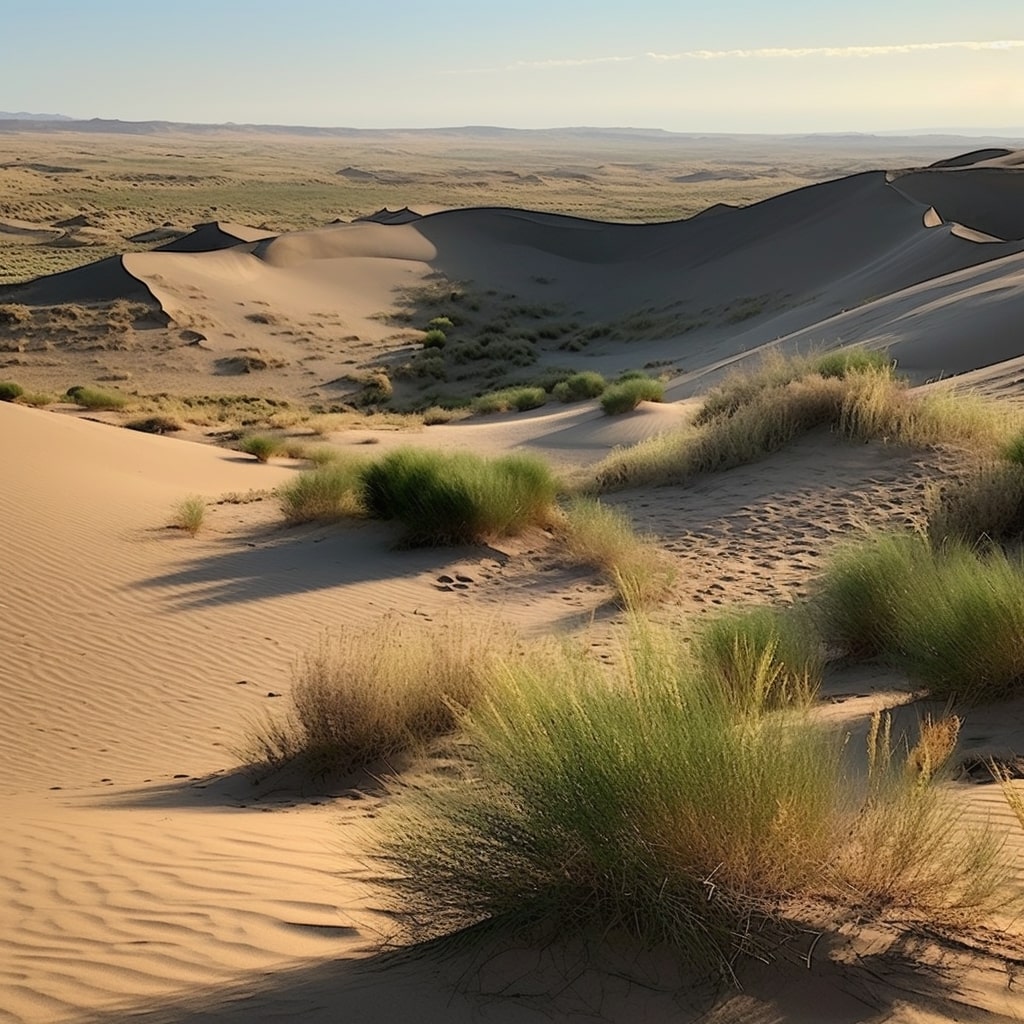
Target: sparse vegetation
{"x": 644, "y": 803}
{"x": 263, "y": 447}
{"x": 628, "y": 394}
{"x": 96, "y": 399}
{"x": 603, "y": 537}
{"x": 155, "y": 424}
{"x": 189, "y": 515}
{"x": 36, "y": 399}
{"x": 9, "y": 391}
{"x": 458, "y": 498}
{"x": 372, "y": 695}
{"x": 580, "y": 386}
{"x": 987, "y": 504}
{"x": 520, "y": 399}
{"x": 325, "y": 494}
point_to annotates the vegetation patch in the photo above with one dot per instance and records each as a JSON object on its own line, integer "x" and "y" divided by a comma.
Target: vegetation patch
{"x": 580, "y": 386}
{"x": 458, "y": 498}
{"x": 189, "y": 515}
{"x": 520, "y": 399}
{"x": 263, "y": 447}
{"x": 325, "y": 494}
{"x": 9, "y": 391}
{"x": 96, "y": 399}
{"x": 628, "y": 394}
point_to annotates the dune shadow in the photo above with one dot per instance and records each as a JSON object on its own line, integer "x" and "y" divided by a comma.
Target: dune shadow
{"x": 284, "y": 562}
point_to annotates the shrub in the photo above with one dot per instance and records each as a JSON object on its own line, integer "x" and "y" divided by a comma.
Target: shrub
{"x": 322, "y": 495}
{"x": 37, "y": 399}
{"x": 645, "y": 805}
{"x": 9, "y": 391}
{"x": 580, "y": 386}
{"x": 440, "y": 323}
{"x": 863, "y": 588}
{"x": 776, "y": 649}
{"x": 262, "y": 446}
{"x": 434, "y": 338}
{"x": 370, "y": 695}
{"x": 189, "y": 515}
{"x": 626, "y": 396}
{"x": 989, "y": 503}
{"x": 521, "y": 399}
{"x": 844, "y": 361}
{"x": 155, "y": 424}
{"x": 96, "y": 398}
{"x": 603, "y": 537}
{"x": 457, "y": 498}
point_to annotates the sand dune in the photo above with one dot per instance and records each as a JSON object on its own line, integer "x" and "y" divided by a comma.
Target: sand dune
{"x": 144, "y": 876}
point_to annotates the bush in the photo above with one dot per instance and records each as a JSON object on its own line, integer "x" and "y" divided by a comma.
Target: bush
{"x": 189, "y": 515}
{"x": 374, "y": 694}
{"x": 864, "y": 587}
{"x": 9, "y": 391}
{"x": 646, "y": 805}
{"x": 440, "y": 323}
{"x": 580, "y": 386}
{"x": 521, "y": 399}
{"x": 987, "y": 504}
{"x": 624, "y": 397}
{"x": 778, "y": 650}
{"x": 322, "y": 495}
{"x": 458, "y": 498}
{"x": 155, "y": 424}
{"x": 603, "y": 537}
{"x": 262, "y": 446}
{"x": 96, "y": 398}
{"x": 434, "y": 338}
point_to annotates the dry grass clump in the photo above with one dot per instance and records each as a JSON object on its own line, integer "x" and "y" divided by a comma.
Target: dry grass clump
{"x": 325, "y": 494}
{"x": 263, "y": 447}
{"x": 645, "y": 803}
{"x": 9, "y": 391}
{"x": 603, "y": 537}
{"x": 36, "y": 399}
{"x": 762, "y": 657}
{"x": 96, "y": 399}
{"x": 952, "y": 618}
{"x": 371, "y": 695}
{"x": 580, "y": 386}
{"x": 986, "y": 504}
{"x": 519, "y": 399}
{"x": 752, "y": 418}
{"x": 458, "y": 498}
{"x": 161, "y": 424}
{"x": 189, "y": 515}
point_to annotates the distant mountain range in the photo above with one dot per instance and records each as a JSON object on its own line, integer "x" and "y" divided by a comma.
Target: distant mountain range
{"x": 21, "y": 115}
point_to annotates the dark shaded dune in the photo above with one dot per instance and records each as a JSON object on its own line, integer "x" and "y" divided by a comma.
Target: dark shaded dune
{"x": 988, "y": 199}
{"x": 215, "y": 235}
{"x": 103, "y": 281}
{"x": 976, "y": 156}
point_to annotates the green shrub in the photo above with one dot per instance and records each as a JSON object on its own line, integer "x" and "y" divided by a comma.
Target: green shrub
{"x": 9, "y": 391}
{"x": 626, "y": 396}
{"x": 863, "y": 589}
{"x": 96, "y": 398}
{"x": 643, "y": 804}
{"x": 189, "y": 515}
{"x": 323, "y": 495}
{"x": 371, "y": 695}
{"x": 458, "y": 498}
{"x": 261, "y": 446}
{"x": 776, "y": 649}
{"x": 520, "y": 399}
{"x": 434, "y": 338}
{"x": 844, "y": 361}
{"x": 440, "y": 323}
{"x": 580, "y": 386}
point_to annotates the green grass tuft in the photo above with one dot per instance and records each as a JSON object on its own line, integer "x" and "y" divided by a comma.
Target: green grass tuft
{"x": 580, "y": 386}
{"x": 628, "y": 394}
{"x": 520, "y": 399}
{"x": 96, "y": 398}
{"x": 262, "y": 447}
{"x": 326, "y": 494}
{"x": 189, "y": 515}
{"x": 458, "y": 498}
{"x": 9, "y": 391}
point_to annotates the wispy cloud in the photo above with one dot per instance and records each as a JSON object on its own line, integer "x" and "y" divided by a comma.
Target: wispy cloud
{"x": 838, "y": 51}
{"x": 568, "y": 62}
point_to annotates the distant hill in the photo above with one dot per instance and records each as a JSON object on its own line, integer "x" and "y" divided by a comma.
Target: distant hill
{"x": 21, "y": 115}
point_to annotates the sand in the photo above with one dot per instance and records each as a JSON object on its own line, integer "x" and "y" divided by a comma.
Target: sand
{"x": 145, "y": 876}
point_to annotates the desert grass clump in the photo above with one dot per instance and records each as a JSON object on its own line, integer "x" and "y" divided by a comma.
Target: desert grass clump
{"x": 987, "y": 504}
{"x": 189, "y": 515}
{"x": 372, "y": 695}
{"x": 36, "y": 399}
{"x": 844, "y": 361}
{"x": 325, "y": 494}
{"x": 628, "y": 394}
{"x": 96, "y": 399}
{"x": 458, "y": 498}
{"x": 520, "y": 399}
{"x": 160, "y": 424}
{"x": 9, "y": 391}
{"x": 580, "y": 386}
{"x": 262, "y": 447}
{"x": 643, "y": 803}
{"x": 762, "y": 657}
{"x": 434, "y": 338}
{"x": 863, "y": 589}
{"x": 598, "y": 535}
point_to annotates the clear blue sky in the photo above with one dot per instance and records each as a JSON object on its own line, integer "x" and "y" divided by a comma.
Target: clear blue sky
{"x": 719, "y": 65}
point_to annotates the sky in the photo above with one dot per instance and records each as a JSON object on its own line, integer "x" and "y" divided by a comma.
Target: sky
{"x": 718, "y": 65}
